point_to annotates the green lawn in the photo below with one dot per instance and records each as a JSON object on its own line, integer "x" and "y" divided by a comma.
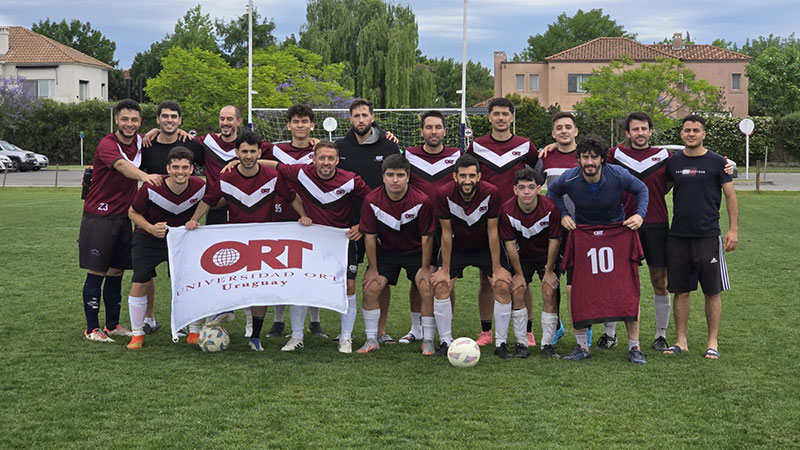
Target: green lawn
{"x": 60, "y": 391}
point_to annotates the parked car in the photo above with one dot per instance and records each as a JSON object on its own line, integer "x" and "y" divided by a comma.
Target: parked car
{"x": 24, "y": 160}
{"x": 7, "y": 163}
{"x": 41, "y": 160}
{"x": 676, "y": 148}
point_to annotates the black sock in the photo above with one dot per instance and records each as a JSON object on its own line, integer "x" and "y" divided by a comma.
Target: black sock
{"x": 530, "y": 325}
{"x": 486, "y": 325}
{"x": 91, "y": 300}
{"x": 112, "y": 299}
{"x": 258, "y": 322}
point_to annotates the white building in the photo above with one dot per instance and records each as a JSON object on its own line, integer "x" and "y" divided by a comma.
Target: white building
{"x": 51, "y": 69}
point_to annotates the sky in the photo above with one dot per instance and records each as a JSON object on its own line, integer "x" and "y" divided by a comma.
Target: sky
{"x": 493, "y": 25}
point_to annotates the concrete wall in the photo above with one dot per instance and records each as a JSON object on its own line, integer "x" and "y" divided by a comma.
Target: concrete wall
{"x": 719, "y": 74}
{"x": 67, "y": 79}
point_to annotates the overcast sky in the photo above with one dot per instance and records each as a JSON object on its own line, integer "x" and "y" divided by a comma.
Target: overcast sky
{"x": 492, "y": 24}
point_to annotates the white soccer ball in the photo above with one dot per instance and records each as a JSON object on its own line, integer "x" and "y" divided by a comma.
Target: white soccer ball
{"x": 463, "y": 352}
{"x": 214, "y": 339}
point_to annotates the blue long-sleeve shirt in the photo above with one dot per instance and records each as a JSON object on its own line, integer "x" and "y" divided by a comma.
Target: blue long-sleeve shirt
{"x": 604, "y": 206}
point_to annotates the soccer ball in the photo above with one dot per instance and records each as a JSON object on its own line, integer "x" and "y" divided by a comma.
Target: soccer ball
{"x": 463, "y": 352}
{"x": 214, "y": 339}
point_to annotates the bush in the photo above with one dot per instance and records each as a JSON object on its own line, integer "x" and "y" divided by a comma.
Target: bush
{"x": 723, "y": 136}
{"x": 787, "y": 133}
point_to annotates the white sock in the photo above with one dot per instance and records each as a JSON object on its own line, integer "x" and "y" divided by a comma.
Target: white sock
{"x": 150, "y": 321}
{"x": 313, "y": 313}
{"x": 520, "y": 320}
{"x": 348, "y": 319}
{"x": 279, "y": 310}
{"x": 248, "y": 317}
{"x": 549, "y": 325}
{"x": 297, "y": 315}
{"x": 428, "y": 327}
{"x": 502, "y": 314}
{"x": 416, "y": 319}
{"x": 371, "y": 317}
{"x": 443, "y": 314}
{"x": 136, "y": 309}
{"x": 582, "y": 339}
{"x": 632, "y": 344}
{"x": 611, "y": 329}
{"x": 194, "y": 327}
{"x": 663, "y": 309}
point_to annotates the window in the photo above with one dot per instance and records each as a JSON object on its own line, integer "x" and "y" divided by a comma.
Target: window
{"x": 102, "y": 90}
{"x": 575, "y": 81}
{"x": 520, "y": 82}
{"x": 40, "y": 88}
{"x": 83, "y": 90}
{"x": 736, "y": 81}
{"x": 533, "y": 82}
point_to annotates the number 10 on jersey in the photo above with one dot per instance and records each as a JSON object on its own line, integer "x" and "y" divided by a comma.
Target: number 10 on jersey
{"x": 602, "y": 259}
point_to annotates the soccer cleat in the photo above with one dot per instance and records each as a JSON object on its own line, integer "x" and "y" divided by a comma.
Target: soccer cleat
{"x": 589, "y": 337}
{"x": 502, "y": 351}
{"x": 370, "y": 346}
{"x": 292, "y": 345}
{"x": 522, "y": 351}
{"x": 255, "y": 345}
{"x": 549, "y": 352}
{"x": 441, "y": 351}
{"x": 223, "y": 317}
{"x": 660, "y": 344}
{"x": 119, "y": 330}
{"x": 183, "y": 332}
{"x": 636, "y": 356}
{"x": 136, "y": 342}
{"x": 427, "y": 347}
{"x": 193, "y": 338}
{"x": 485, "y": 337}
{"x": 408, "y": 338}
{"x": 150, "y": 329}
{"x": 97, "y": 335}
{"x": 276, "y": 330}
{"x": 316, "y": 328}
{"x": 531, "y": 339}
{"x": 560, "y": 331}
{"x": 345, "y": 346}
{"x": 578, "y": 354}
{"x": 336, "y": 339}
{"x": 606, "y": 342}
{"x": 385, "y": 339}
{"x": 248, "y": 329}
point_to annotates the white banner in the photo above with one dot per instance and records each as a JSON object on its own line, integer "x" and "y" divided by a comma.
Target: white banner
{"x": 226, "y": 267}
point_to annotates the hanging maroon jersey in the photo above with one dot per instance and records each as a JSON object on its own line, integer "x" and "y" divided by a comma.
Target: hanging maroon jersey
{"x": 218, "y": 153}
{"x": 604, "y": 260}
{"x": 285, "y": 153}
{"x": 468, "y": 219}
{"x": 499, "y": 160}
{"x": 429, "y": 171}
{"x": 399, "y": 225}
{"x": 160, "y": 204}
{"x": 531, "y": 231}
{"x": 650, "y": 166}
{"x": 111, "y": 192}
{"x": 250, "y": 199}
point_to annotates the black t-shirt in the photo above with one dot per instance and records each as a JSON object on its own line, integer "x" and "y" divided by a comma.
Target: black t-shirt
{"x": 697, "y": 194}
{"x": 154, "y": 158}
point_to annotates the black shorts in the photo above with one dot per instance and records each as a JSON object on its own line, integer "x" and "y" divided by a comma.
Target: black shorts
{"x": 480, "y": 258}
{"x": 217, "y": 216}
{"x": 529, "y": 267}
{"x": 654, "y": 242}
{"x": 147, "y": 252}
{"x": 690, "y": 260}
{"x": 390, "y": 264}
{"x": 104, "y": 243}
{"x": 352, "y": 260}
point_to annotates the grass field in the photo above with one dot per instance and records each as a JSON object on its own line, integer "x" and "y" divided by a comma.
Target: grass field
{"x": 60, "y": 391}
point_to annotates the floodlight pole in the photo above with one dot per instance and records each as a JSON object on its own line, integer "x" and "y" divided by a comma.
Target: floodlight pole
{"x": 464, "y": 81}
{"x": 250, "y": 65}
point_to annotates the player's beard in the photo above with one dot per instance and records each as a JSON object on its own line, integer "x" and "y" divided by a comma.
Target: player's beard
{"x": 364, "y": 132}
{"x": 433, "y": 142}
{"x": 467, "y": 195}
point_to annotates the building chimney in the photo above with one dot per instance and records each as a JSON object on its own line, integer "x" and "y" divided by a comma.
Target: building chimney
{"x": 4, "y": 39}
{"x": 677, "y": 41}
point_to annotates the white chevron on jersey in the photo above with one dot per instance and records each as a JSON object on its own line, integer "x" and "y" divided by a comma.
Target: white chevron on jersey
{"x": 554, "y": 172}
{"x": 212, "y": 145}
{"x": 504, "y": 159}
{"x": 137, "y": 160}
{"x": 432, "y": 168}
{"x": 251, "y": 199}
{"x": 472, "y": 218}
{"x": 641, "y": 166}
{"x": 531, "y": 231}
{"x": 392, "y": 222}
{"x": 325, "y": 197}
{"x": 286, "y": 158}
{"x": 170, "y": 206}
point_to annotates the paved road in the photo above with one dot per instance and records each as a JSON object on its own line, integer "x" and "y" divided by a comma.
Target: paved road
{"x": 72, "y": 178}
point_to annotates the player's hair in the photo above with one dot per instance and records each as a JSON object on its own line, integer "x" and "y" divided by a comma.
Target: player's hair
{"x": 528, "y": 174}
{"x": 431, "y": 113}
{"x": 564, "y": 115}
{"x": 300, "y": 110}
{"x": 169, "y": 104}
{"x": 361, "y": 102}
{"x": 326, "y": 144}
{"x": 127, "y": 104}
{"x": 501, "y": 101}
{"x": 397, "y": 161}
{"x": 180, "y": 152}
{"x": 694, "y": 118}
{"x": 247, "y": 137}
{"x": 592, "y": 143}
{"x": 640, "y": 116}
{"x": 466, "y": 161}
{"x": 236, "y": 111}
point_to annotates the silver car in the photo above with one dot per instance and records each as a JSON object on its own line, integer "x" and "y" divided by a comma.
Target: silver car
{"x": 6, "y": 164}
{"x": 24, "y": 160}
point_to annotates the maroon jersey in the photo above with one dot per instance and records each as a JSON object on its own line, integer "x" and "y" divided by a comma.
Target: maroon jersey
{"x": 605, "y": 275}
{"x": 429, "y": 172}
{"x": 250, "y": 199}
{"x": 327, "y": 202}
{"x": 218, "y": 153}
{"x": 399, "y": 225}
{"x": 160, "y": 204}
{"x": 650, "y": 166}
{"x": 111, "y": 192}
{"x": 468, "y": 219}
{"x": 554, "y": 165}
{"x": 499, "y": 160}
{"x": 532, "y": 231}
{"x": 285, "y": 153}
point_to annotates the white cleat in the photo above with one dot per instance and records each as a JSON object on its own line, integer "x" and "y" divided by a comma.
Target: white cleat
{"x": 345, "y": 346}
{"x": 292, "y": 345}
{"x": 219, "y": 319}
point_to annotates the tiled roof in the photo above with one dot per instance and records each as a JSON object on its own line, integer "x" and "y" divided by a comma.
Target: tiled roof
{"x": 484, "y": 103}
{"x": 27, "y": 47}
{"x": 609, "y": 49}
{"x": 702, "y": 52}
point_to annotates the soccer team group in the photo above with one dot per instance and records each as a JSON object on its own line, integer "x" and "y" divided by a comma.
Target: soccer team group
{"x": 432, "y": 210}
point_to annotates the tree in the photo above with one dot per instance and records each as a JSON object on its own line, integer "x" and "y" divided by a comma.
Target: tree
{"x": 757, "y": 46}
{"x": 234, "y": 37}
{"x": 480, "y": 83}
{"x": 15, "y": 104}
{"x": 775, "y": 81}
{"x": 567, "y": 32}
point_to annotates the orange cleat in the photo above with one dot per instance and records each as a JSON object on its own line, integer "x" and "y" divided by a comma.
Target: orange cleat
{"x": 193, "y": 338}
{"x": 531, "y": 340}
{"x": 136, "y": 343}
{"x": 485, "y": 337}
